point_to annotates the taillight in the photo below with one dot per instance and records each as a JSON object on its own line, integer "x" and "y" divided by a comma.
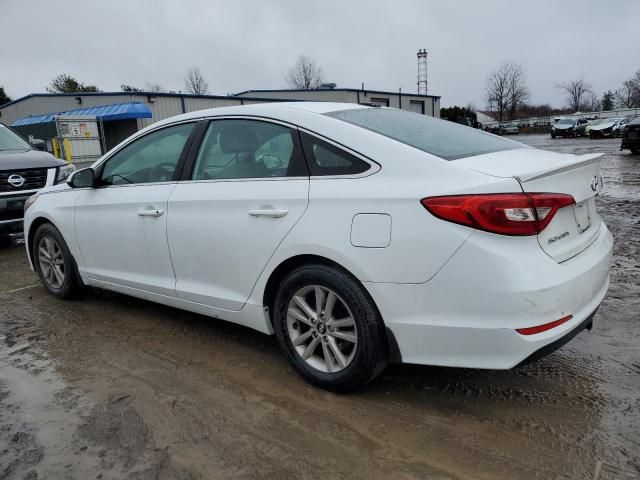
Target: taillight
{"x": 502, "y": 213}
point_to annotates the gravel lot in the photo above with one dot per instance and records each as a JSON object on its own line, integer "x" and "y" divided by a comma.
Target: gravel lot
{"x": 114, "y": 387}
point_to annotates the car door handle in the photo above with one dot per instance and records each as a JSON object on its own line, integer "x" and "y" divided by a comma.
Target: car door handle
{"x": 151, "y": 212}
{"x": 269, "y": 212}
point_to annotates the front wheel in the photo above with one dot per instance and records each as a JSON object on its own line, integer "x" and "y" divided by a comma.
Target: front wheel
{"x": 54, "y": 263}
{"x": 329, "y": 328}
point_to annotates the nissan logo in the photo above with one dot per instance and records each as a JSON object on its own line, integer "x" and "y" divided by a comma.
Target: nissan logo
{"x": 16, "y": 180}
{"x": 595, "y": 183}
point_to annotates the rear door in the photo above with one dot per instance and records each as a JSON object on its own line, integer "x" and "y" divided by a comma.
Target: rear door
{"x": 246, "y": 189}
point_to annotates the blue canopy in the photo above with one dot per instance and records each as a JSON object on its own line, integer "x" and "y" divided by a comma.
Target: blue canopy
{"x": 106, "y": 113}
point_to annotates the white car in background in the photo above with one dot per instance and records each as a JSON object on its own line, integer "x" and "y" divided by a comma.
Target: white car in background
{"x": 358, "y": 235}
{"x": 605, "y": 127}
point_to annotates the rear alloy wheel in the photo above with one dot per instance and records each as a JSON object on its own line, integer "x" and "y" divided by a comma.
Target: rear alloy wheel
{"x": 325, "y": 335}
{"x": 54, "y": 263}
{"x": 329, "y": 328}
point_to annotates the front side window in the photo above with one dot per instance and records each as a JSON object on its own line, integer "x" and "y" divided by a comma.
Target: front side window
{"x": 248, "y": 149}
{"x": 447, "y": 140}
{"x": 152, "y": 158}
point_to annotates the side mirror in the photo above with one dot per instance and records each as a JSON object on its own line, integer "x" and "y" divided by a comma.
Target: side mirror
{"x": 84, "y": 178}
{"x": 39, "y": 144}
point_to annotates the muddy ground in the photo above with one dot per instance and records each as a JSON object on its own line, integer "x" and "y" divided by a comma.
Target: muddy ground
{"x": 114, "y": 387}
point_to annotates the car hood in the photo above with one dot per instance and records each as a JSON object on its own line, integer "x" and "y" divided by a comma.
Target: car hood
{"x": 24, "y": 159}
{"x": 563, "y": 126}
{"x": 603, "y": 126}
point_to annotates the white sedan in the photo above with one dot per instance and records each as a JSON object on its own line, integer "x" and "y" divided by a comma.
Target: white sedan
{"x": 357, "y": 235}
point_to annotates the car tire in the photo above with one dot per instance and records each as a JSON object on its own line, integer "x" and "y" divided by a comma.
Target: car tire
{"x": 553, "y": 136}
{"x": 54, "y": 263}
{"x": 635, "y": 151}
{"x": 362, "y": 345}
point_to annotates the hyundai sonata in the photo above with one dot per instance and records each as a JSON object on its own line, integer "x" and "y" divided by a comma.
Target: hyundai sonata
{"x": 357, "y": 235}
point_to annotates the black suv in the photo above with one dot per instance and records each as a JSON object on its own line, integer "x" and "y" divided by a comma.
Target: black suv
{"x": 23, "y": 171}
{"x": 631, "y": 136}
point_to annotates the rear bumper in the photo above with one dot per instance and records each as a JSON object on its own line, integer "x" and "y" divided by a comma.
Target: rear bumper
{"x": 467, "y": 315}
{"x": 548, "y": 349}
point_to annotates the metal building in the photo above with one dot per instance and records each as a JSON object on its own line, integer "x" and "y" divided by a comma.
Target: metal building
{"x": 36, "y": 115}
{"x": 424, "y": 104}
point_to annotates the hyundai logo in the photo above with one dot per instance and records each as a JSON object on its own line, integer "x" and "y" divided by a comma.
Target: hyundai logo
{"x": 595, "y": 183}
{"x": 16, "y": 180}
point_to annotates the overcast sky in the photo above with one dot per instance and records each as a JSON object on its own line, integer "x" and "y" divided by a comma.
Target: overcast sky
{"x": 242, "y": 44}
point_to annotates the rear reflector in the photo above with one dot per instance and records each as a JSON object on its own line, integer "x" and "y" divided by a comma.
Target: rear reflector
{"x": 544, "y": 327}
{"x": 502, "y": 213}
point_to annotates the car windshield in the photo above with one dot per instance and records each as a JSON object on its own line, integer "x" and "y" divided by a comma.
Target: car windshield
{"x": 9, "y": 141}
{"x": 598, "y": 122}
{"x": 566, "y": 121}
{"x": 447, "y": 140}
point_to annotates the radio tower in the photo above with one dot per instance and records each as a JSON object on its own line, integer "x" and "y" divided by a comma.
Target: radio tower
{"x": 422, "y": 71}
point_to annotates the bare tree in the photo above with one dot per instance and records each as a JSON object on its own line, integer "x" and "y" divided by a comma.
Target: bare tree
{"x": 628, "y": 96}
{"x": 506, "y": 90}
{"x": 153, "y": 87}
{"x": 195, "y": 83}
{"x": 591, "y": 103}
{"x": 517, "y": 91}
{"x": 305, "y": 74}
{"x": 575, "y": 91}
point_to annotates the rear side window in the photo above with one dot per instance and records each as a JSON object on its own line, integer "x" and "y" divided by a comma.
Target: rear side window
{"x": 234, "y": 149}
{"x": 327, "y": 159}
{"x": 441, "y": 138}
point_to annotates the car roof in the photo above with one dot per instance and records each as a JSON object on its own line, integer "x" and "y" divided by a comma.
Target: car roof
{"x": 275, "y": 109}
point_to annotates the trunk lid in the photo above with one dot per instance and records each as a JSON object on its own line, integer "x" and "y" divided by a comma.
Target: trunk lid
{"x": 574, "y": 227}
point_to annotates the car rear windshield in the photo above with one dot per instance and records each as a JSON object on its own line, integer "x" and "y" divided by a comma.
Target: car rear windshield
{"x": 441, "y": 138}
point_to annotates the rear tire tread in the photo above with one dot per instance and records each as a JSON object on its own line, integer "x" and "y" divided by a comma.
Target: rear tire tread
{"x": 372, "y": 355}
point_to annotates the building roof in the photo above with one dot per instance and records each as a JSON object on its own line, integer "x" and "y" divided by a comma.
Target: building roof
{"x": 284, "y": 90}
{"x": 118, "y": 111}
{"x": 133, "y": 94}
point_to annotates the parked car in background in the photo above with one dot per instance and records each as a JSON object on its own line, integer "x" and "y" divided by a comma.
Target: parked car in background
{"x": 564, "y": 127}
{"x": 241, "y": 213}
{"x": 603, "y": 128}
{"x": 619, "y": 128}
{"x": 581, "y": 127}
{"x": 510, "y": 128}
{"x": 631, "y": 136}
{"x": 24, "y": 170}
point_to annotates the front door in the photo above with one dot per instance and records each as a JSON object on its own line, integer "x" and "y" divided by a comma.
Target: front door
{"x": 121, "y": 224}
{"x": 248, "y": 188}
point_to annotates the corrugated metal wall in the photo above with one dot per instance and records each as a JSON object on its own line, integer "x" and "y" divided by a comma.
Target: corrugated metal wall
{"x": 163, "y": 106}
{"x": 309, "y": 95}
{"x": 49, "y": 104}
{"x": 431, "y": 103}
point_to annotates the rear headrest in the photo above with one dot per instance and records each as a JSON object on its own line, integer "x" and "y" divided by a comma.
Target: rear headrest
{"x": 238, "y": 139}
